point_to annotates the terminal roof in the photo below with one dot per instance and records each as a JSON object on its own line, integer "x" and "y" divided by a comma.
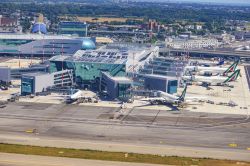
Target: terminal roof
{"x": 111, "y": 54}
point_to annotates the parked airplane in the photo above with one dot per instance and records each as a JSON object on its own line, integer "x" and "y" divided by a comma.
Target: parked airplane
{"x": 73, "y": 95}
{"x": 213, "y": 80}
{"x": 213, "y": 70}
{"x": 209, "y": 64}
{"x": 166, "y": 98}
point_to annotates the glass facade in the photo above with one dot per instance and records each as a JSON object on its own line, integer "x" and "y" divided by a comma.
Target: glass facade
{"x": 123, "y": 91}
{"x": 87, "y": 72}
{"x": 27, "y": 86}
{"x": 165, "y": 66}
{"x": 172, "y": 86}
{"x": 39, "y": 28}
{"x": 71, "y": 28}
{"x": 11, "y": 45}
{"x": 13, "y": 42}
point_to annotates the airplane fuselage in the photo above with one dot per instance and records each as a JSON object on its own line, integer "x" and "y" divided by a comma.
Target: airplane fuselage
{"x": 210, "y": 80}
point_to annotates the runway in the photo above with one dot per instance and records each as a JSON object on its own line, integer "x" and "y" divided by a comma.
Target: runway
{"x": 137, "y": 130}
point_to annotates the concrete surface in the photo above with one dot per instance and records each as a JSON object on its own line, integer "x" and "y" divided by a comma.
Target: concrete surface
{"x": 133, "y": 130}
{"x": 18, "y": 63}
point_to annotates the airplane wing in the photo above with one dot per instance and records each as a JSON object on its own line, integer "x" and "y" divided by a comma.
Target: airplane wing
{"x": 153, "y": 99}
{"x": 60, "y": 95}
{"x": 195, "y": 98}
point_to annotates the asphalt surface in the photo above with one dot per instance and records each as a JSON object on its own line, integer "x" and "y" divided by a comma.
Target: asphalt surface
{"x": 135, "y": 126}
{"x": 247, "y": 69}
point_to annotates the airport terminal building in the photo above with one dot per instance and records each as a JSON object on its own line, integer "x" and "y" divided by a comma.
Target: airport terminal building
{"x": 33, "y": 83}
{"x": 111, "y": 64}
{"x": 140, "y": 63}
{"x": 42, "y": 44}
{"x": 116, "y": 69}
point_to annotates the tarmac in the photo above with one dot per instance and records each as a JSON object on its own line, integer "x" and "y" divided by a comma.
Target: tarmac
{"x": 17, "y": 63}
{"x": 199, "y": 129}
{"x": 221, "y": 96}
{"x": 181, "y": 133}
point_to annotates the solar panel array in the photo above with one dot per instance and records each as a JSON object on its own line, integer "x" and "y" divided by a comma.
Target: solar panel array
{"x": 112, "y": 56}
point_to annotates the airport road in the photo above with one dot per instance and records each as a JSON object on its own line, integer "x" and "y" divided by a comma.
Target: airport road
{"x": 32, "y": 160}
{"x": 139, "y": 130}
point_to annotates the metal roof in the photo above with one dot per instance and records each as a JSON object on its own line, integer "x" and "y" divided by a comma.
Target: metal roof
{"x": 35, "y": 36}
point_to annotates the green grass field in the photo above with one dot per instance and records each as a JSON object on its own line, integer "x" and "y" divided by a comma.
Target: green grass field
{"x": 114, "y": 156}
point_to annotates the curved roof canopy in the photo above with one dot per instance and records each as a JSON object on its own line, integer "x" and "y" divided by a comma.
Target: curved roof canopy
{"x": 88, "y": 44}
{"x": 39, "y": 28}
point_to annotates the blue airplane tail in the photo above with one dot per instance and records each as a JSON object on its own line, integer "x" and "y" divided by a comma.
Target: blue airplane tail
{"x": 221, "y": 62}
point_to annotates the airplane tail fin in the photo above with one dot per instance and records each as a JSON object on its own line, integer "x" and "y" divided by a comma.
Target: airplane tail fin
{"x": 221, "y": 62}
{"x": 182, "y": 97}
{"x": 232, "y": 68}
{"x": 233, "y": 76}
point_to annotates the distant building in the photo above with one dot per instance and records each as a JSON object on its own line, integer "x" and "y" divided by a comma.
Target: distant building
{"x": 39, "y": 26}
{"x": 242, "y": 35}
{"x": 198, "y": 43}
{"x": 189, "y": 26}
{"x": 224, "y": 38}
{"x": 152, "y": 25}
{"x": 73, "y": 28}
{"x": 198, "y": 27}
{"x": 9, "y": 24}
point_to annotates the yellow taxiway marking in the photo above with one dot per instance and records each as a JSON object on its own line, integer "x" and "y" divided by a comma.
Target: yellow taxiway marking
{"x": 233, "y": 145}
{"x": 61, "y": 152}
{"x": 30, "y": 131}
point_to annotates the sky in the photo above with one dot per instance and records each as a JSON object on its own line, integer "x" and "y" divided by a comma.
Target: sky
{"x": 246, "y": 2}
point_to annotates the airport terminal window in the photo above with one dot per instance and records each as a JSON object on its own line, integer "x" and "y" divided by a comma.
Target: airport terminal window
{"x": 27, "y": 86}
{"x": 172, "y": 86}
{"x": 13, "y": 42}
{"x": 123, "y": 92}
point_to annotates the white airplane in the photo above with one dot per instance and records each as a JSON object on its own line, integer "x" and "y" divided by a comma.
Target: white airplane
{"x": 166, "y": 98}
{"x": 213, "y": 80}
{"x": 74, "y": 95}
{"x": 213, "y": 70}
{"x": 209, "y": 64}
